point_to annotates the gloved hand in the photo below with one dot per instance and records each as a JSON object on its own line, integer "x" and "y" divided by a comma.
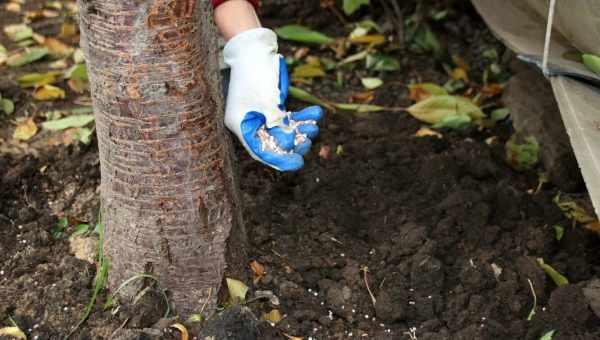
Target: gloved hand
{"x": 255, "y": 110}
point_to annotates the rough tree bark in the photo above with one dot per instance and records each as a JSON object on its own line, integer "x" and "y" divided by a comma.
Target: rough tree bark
{"x": 169, "y": 198}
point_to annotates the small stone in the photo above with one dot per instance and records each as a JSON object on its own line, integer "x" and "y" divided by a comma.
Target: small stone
{"x": 84, "y": 248}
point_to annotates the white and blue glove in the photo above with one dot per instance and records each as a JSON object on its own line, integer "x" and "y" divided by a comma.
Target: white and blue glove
{"x": 255, "y": 110}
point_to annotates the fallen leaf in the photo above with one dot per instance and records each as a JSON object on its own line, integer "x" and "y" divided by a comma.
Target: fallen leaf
{"x": 302, "y": 34}
{"x": 303, "y": 95}
{"x": 548, "y": 335}
{"x": 237, "y": 291}
{"x": 362, "y": 97}
{"x": 592, "y": 62}
{"x": 272, "y": 317}
{"x": 78, "y": 56}
{"x": 7, "y": 105}
{"x": 26, "y": 57}
{"x": 459, "y": 73}
{"x": 48, "y": 92}
{"x": 573, "y": 211}
{"x": 371, "y": 83}
{"x": 40, "y": 14}
{"x": 182, "y": 329}
{"x": 434, "y": 109}
{"x": 57, "y": 47}
{"x": 373, "y": 39}
{"x": 492, "y": 90}
{"x": 421, "y": 91}
{"x": 68, "y": 122}
{"x": 290, "y": 337}
{"x": 15, "y": 332}
{"x": 58, "y": 64}
{"x": 67, "y": 30}
{"x": 325, "y": 152}
{"x": 3, "y": 54}
{"x": 78, "y": 85}
{"x": 500, "y": 114}
{"x": 258, "y": 270}
{"x": 308, "y": 71}
{"x": 25, "y": 129}
{"x": 18, "y": 32}
{"x": 382, "y": 62}
{"x": 13, "y": 7}
{"x": 37, "y": 79}
{"x": 354, "y": 58}
{"x": 83, "y": 135}
{"x": 557, "y": 277}
{"x": 593, "y": 227}
{"x": 364, "y": 108}
{"x": 351, "y": 6}
{"x": 522, "y": 153}
{"x": 427, "y": 132}
{"x": 459, "y": 121}
{"x": 339, "y": 150}
{"x": 77, "y": 71}
{"x": 559, "y": 232}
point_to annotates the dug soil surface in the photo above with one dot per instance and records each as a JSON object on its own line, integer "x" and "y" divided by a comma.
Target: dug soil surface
{"x": 383, "y": 235}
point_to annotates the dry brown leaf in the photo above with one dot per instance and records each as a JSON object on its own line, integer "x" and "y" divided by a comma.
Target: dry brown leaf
{"x": 325, "y": 152}
{"x": 48, "y": 92}
{"x": 427, "y": 132}
{"x": 492, "y": 90}
{"x": 363, "y": 97}
{"x": 258, "y": 270}
{"x": 25, "y": 129}
{"x": 422, "y": 91}
{"x": 593, "y": 227}
{"x": 181, "y": 328}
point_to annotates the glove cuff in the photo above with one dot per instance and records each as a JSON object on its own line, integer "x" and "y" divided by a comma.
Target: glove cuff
{"x": 256, "y": 39}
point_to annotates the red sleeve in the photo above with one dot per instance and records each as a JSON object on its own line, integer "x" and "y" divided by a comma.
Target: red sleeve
{"x": 218, "y": 2}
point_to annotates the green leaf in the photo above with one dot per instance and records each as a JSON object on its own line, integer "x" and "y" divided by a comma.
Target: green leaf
{"x": 557, "y": 277}
{"x": 308, "y": 71}
{"x": 60, "y": 227}
{"x": 434, "y": 109}
{"x": 84, "y": 135}
{"x": 237, "y": 291}
{"x": 500, "y": 114}
{"x": 7, "y": 105}
{"x": 559, "y": 232}
{"x": 18, "y": 32}
{"x": 27, "y": 57}
{"x": 371, "y": 83}
{"x": 382, "y": 62}
{"x": 360, "y": 107}
{"x": 302, "y": 34}
{"x": 522, "y": 154}
{"x": 81, "y": 229}
{"x": 425, "y": 41}
{"x": 592, "y": 62}
{"x": 68, "y": 122}
{"x": 306, "y": 96}
{"x": 548, "y": 336}
{"x": 456, "y": 122}
{"x": 77, "y": 71}
{"x": 37, "y": 79}
{"x": 351, "y": 6}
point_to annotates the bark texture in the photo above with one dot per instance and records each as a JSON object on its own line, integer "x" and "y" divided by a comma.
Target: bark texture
{"x": 169, "y": 196}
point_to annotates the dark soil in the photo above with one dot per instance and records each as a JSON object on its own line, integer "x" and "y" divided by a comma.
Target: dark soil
{"x": 442, "y": 231}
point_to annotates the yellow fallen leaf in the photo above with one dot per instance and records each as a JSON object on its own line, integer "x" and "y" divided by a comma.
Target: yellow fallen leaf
{"x": 181, "y": 328}
{"x": 460, "y": 74}
{"x": 67, "y": 30}
{"x": 427, "y": 132}
{"x": 237, "y": 290}
{"x": 308, "y": 71}
{"x": 37, "y": 79}
{"x": 15, "y": 332}
{"x": 375, "y": 39}
{"x": 25, "y": 129}
{"x": 48, "y": 92}
{"x": 57, "y": 47}
{"x": 258, "y": 270}
{"x": 273, "y": 316}
{"x": 13, "y": 7}
{"x": 293, "y": 337}
{"x": 435, "y": 109}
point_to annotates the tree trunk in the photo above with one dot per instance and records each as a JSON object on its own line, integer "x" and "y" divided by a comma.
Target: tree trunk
{"x": 169, "y": 197}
